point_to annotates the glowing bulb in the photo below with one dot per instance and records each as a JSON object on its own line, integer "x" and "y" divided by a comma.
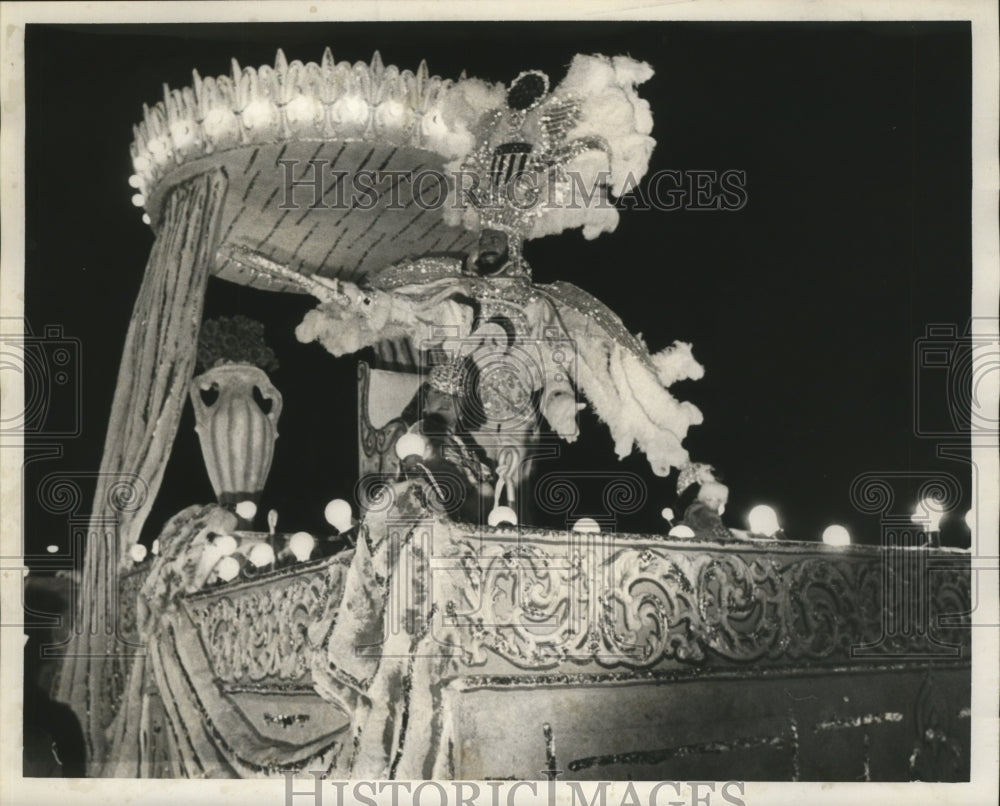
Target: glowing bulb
{"x": 928, "y": 511}
{"x": 587, "y": 526}
{"x": 836, "y": 536}
{"x": 499, "y": 515}
{"x": 137, "y": 552}
{"x": 228, "y": 569}
{"x": 302, "y": 545}
{"x": 260, "y": 555}
{"x": 52, "y": 549}
{"x": 763, "y": 520}
{"x": 667, "y": 514}
{"x": 225, "y": 545}
{"x": 338, "y": 514}
{"x": 681, "y": 530}
{"x": 246, "y": 510}
{"x": 410, "y": 445}
{"x": 970, "y": 516}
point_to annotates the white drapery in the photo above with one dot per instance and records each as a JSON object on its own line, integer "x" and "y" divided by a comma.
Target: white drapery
{"x": 156, "y": 369}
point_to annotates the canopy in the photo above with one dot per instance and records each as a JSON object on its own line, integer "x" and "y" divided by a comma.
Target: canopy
{"x": 341, "y": 169}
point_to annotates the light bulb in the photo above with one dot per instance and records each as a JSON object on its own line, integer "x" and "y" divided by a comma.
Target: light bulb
{"x": 667, "y": 514}
{"x": 836, "y": 536}
{"x": 763, "y": 520}
{"x": 137, "y": 552}
{"x": 246, "y": 510}
{"x": 261, "y": 554}
{"x": 499, "y": 515}
{"x": 302, "y": 545}
{"x": 681, "y": 530}
{"x": 410, "y": 445}
{"x": 338, "y": 514}
{"x": 928, "y": 511}
{"x": 228, "y": 569}
{"x": 587, "y": 526}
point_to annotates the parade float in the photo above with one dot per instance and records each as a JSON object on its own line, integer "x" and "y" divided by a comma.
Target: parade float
{"x": 434, "y": 632}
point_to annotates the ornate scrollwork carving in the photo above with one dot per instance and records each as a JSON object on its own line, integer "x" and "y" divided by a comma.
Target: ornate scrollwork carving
{"x": 260, "y": 632}
{"x": 636, "y": 607}
{"x": 522, "y": 605}
{"x": 643, "y": 611}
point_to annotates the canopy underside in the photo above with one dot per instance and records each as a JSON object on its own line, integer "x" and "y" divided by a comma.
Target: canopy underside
{"x": 311, "y": 207}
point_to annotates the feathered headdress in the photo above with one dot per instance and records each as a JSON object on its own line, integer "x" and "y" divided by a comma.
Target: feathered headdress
{"x": 694, "y": 473}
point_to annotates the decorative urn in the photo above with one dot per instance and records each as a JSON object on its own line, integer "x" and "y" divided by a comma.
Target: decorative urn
{"x": 236, "y": 408}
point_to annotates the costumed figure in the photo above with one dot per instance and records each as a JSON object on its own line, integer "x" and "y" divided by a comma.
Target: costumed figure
{"x": 702, "y": 498}
{"x": 562, "y": 345}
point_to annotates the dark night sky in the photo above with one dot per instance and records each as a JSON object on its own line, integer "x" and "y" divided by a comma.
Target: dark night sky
{"x": 804, "y": 306}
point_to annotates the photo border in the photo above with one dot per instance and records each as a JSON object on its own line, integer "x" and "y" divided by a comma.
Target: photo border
{"x": 985, "y": 293}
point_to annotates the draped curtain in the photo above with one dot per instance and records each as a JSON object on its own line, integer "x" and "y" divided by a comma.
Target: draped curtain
{"x": 392, "y": 648}
{"x": 177, "y": 719}
{"x": 156, "y": 369}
